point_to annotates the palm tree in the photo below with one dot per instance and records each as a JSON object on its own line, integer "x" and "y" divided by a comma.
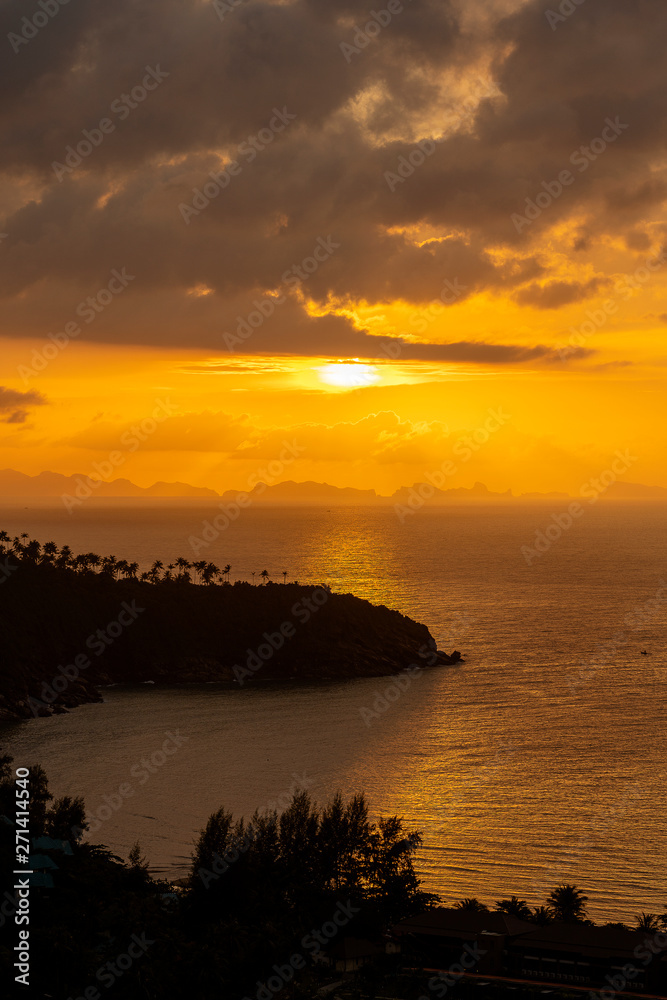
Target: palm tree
{"x": 471, "y": 905}
{"x": 79, "y": 563}
{"x": 49, "y": 551}
{"x": 253, "y": 579}
{"x": 284, "y": 576}
{"x": 568, "y": 903}
{"x": 109, "y": 566}
{"x": 32, "y": 551}
{"x": 209, "y": 573}
{"x": 65, "y": 557}
{"x": 226, "y": 571}
{"x": 542, "y": 915}
{"x": 183, "y": 565}
{"x": 265, "y": 576}
{"x": 514, "y": 907}
{"x": 199, "y": 567}
{"x": 647, "y": 922}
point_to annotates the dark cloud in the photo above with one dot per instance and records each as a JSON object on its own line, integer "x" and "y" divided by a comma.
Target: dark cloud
{"x": 555, "y": 294}
{"x": 325, "y": 174}
{"x": 15, "y": 405}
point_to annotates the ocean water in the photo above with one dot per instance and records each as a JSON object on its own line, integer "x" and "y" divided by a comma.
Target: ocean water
{"x": 540, "y": 759}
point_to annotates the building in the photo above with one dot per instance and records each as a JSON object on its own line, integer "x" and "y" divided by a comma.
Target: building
{"x": 610, "y": 959}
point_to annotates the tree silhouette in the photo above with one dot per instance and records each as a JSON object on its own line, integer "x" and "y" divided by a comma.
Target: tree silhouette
{"x": 568, "y": 903}
{"x": 648, "y": 922}
{"x": 514, "y": 907}
{"x": 265, "y": 576}
{"x": 471, "y": 905}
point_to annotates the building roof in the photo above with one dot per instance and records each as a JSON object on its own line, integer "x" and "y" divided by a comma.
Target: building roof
{"x": 595, "y": 942}
{"x": 450, "y": 922}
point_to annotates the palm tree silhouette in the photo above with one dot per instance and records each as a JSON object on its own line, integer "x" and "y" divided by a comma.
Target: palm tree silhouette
{"x": 647, "y": 922}
{"x": 514, "y": 907}
{"x": 542, "y": 915}
{"x": 284, "y": 576}
{"x": 265, "y": 576}
{"x": 568, "y": 903}
{"x": 471, "y": 905}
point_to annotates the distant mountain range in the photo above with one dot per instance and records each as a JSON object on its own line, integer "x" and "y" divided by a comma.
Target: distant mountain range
{"x": 53, "y": 484}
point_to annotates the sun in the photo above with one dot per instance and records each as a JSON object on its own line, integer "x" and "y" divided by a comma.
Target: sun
{"x": 348, "y": 374}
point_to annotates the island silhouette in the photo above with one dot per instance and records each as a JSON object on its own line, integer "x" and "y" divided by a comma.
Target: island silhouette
{"x": 71, "y": 623}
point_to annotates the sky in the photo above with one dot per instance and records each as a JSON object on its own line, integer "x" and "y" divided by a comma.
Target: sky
{"x": 372, "y": 234}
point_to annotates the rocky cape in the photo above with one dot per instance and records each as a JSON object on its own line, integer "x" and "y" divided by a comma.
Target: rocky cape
{"x": 66, "y": 633}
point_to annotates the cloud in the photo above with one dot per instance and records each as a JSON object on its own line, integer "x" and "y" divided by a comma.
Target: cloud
{"x": 555, "y": 294}
{"x": 15, "y": 405}
{"x": 490, "y": 84}
{"x": 186, "y": 432}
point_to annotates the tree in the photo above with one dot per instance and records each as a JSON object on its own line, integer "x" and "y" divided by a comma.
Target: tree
{"x": 293, "y": 869}
{"x": 647, "y": 922}
{"x": 265, "y": 576}
{"x": 568, "y": 903}
{"x": 542, "y": 915}
{"x": 284, "y": 576}
{"x": 66, "y": 819}
{"x": 514, "y": 907}
{"x": 471, "y": 905}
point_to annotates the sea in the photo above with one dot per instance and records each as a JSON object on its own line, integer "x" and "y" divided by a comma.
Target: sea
{"x": 540, "y": 759}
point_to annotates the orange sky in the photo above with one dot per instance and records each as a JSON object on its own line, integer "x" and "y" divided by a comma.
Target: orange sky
{"x": 463, "y": 219}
